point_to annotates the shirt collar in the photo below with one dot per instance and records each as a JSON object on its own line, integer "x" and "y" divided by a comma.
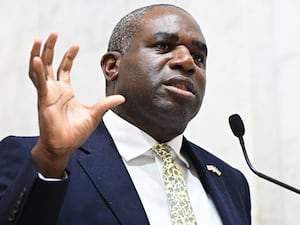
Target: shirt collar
{"x": 135, "y": 142}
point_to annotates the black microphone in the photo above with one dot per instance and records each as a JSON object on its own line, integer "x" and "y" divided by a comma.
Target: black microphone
{"x": 238, "y": 129}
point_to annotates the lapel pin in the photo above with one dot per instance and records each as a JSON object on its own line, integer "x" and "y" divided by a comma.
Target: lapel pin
{"x": 213, "y": 169}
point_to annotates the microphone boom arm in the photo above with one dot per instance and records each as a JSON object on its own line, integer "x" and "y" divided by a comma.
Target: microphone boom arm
{"x": 263, "y": 175}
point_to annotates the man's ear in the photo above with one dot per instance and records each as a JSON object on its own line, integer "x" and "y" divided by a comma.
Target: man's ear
{"x": 110, "y": 62}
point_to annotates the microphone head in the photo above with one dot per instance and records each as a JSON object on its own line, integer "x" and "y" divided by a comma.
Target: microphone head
{"x": 237, "y": 125}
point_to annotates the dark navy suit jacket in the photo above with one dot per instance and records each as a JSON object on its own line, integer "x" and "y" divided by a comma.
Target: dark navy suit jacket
{"x": 99, "y": 190}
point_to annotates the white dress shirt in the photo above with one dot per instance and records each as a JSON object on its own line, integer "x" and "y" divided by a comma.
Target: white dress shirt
{"x": 145, "y": 169}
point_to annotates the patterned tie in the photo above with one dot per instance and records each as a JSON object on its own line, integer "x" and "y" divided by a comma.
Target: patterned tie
{"x": 179, "y": 203}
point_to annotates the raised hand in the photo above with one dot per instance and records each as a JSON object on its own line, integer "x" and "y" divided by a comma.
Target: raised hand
{"x": 64, "y": 122}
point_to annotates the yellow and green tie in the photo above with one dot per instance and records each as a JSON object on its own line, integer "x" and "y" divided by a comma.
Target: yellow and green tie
{"x": 179, "y": 202}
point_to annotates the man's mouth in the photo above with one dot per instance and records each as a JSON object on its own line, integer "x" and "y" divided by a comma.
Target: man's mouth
{"x": 181, "y": 85}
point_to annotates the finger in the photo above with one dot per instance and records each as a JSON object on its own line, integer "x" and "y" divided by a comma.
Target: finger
{"x": 99, "y": 109}
{"x": 39, "y": 77}
{"x": 48, "y": 53}
{"x": 35, "y": 52}
{"x": 63, "y": 72}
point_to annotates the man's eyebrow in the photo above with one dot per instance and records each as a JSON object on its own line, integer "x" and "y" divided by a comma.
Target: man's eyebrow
{"x": 174, "y": 36}
{"x": 166, "y": 35}
{"x": 200, "y": 45}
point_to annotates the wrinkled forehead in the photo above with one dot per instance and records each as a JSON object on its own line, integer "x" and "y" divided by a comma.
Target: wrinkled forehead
{"x": 171, "y": 20}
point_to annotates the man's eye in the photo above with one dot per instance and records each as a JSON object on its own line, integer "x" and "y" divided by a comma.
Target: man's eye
{"x": 163, "y": 46}
{"x": 199, "y": 59}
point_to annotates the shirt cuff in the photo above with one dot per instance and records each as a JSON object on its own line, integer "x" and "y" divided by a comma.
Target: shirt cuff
{"x": 52, "y": 179}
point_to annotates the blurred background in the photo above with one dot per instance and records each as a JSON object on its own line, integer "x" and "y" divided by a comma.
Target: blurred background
{"x": 252, "y": 69}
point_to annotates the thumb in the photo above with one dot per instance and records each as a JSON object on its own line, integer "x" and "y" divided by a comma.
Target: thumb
{"x": 100, "y": 108}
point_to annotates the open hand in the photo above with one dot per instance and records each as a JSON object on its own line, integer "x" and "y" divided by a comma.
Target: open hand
{"x": 64, "y": 122}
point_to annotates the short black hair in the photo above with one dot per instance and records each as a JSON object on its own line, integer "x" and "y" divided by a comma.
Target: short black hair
{"x": 125, "y": 30}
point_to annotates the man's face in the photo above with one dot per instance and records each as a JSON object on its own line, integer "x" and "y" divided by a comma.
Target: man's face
{"x": 162, "y": 74}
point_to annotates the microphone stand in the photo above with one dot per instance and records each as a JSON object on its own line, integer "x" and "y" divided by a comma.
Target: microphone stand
{"x": 263, "y": 175}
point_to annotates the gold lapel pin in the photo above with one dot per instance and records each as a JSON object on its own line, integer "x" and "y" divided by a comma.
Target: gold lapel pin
{"x": 213, "y": 169}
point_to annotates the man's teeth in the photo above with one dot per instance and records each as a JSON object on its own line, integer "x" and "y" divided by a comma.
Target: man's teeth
{"x": 180, "y": 86}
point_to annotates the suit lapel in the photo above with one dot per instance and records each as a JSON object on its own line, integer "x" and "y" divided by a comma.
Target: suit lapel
{"x": 105, "y": 168}
{"x": 212, "y": 183}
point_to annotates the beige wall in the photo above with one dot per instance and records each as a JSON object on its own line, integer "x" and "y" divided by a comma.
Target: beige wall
{"x": 253, "y": 64}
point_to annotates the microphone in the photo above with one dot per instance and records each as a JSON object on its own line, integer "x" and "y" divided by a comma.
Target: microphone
{"x": 238, "y": 129}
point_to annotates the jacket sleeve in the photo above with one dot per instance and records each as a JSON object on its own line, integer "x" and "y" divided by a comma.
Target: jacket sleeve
{"x": 24, "y": 198}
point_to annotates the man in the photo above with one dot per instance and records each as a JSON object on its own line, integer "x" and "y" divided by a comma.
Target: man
{"x": 91, "y": 168}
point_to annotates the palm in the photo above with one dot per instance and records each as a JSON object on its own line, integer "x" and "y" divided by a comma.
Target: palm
{"x": 63, "y": 118}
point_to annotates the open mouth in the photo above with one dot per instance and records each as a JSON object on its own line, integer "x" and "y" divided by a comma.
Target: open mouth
{"x": 183, "y": 87}
{"x": 180, "y": 85}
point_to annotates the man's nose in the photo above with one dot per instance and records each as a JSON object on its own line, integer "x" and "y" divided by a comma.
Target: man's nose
{"x": 182, "y": 60}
